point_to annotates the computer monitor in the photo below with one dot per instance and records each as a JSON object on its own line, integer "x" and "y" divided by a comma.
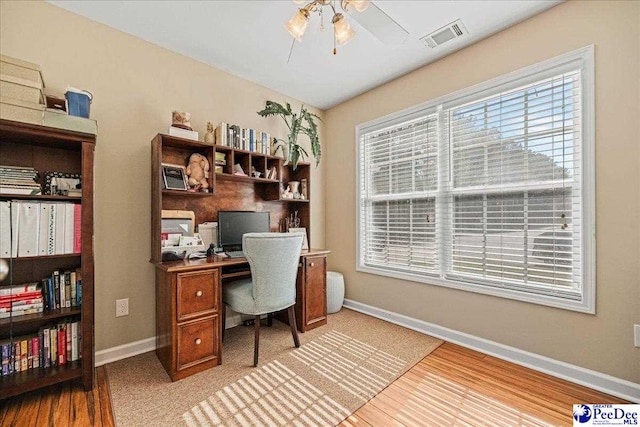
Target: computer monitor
{"x": 232, "y": 225}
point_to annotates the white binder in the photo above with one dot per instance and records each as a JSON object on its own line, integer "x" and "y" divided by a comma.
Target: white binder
{"x": 5, "y": 229}
{"x": 51, "y": 237}
{"x": 59, "y": 229}
{"x": 69, "y": 225}
{"x": 29, "y": 221}
{"x": 43, "y": 229}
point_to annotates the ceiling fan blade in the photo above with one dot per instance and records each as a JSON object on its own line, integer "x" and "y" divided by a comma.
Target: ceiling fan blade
{"x": 381, "y": 25}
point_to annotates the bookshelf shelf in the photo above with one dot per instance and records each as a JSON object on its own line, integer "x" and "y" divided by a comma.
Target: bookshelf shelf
{"x": 185, "y": 193}
{"x": 36, "y": 378}
{"x": 40, "y": 197}
{"x": 43, "y": 257}
{"x": 49, "y": 149}
{"x": 46, "y": 316}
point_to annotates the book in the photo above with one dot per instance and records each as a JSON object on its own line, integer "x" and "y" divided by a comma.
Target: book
{"x": 13, "y": 290}
{"x": 56, "y": 288}
{"x": 53, "y": 345}
{"x": 46, "y": 347}
{"x": 16, "y": 356}
{"x": 62, "y": 290}
{"x": 77, "y": 229}
{"x": 4, "y": 352}
{"x": 62, "y": 344}
{"x": 68, "y": 336}
{"x": 29, "y": 354}
{"x": 72, "y": 283}
{"x": 221, "y": 133}
{"x": 67, "y": 288}
{"x": 24, "y": 355}
{"x": 184, "y": 133}
{"x": 74, "y": 341}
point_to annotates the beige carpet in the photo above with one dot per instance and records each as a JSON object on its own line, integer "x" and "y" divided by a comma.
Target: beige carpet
{"x": 336, "y": 370}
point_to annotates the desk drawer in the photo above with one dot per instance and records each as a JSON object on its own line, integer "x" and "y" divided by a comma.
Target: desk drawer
{"x": 197, "y": 342}
{"x": 197, "y": 294}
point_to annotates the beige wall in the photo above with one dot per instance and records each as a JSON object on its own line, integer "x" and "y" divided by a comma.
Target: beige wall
{"x": 603, "y": 342}
{"x": 135, "y": 85}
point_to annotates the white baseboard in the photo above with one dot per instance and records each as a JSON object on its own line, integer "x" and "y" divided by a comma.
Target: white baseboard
{"x": 125, "y": 350}
{"x": 586, "y": 377}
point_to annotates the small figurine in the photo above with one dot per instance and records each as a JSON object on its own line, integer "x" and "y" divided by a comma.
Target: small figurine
{"x": 209, "y": 136}
{"x": 197, "y": 171}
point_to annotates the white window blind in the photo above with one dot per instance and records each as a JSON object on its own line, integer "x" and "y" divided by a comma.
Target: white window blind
{"x": 398, "y": 189}
{"x": 516, "y": 199}
{"x": 489, "y": 189}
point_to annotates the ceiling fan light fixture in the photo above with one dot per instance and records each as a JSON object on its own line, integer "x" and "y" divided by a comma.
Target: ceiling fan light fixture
{"x": 342, "y": 30}
{"x": 297, "y": 25}
{"x": 360, "y": 5}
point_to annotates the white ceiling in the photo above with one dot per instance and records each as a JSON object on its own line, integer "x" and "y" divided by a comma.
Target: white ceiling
{"x": 247, "y": 38}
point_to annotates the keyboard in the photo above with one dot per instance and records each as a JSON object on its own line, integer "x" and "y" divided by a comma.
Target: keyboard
{"x": 235, "y": 254}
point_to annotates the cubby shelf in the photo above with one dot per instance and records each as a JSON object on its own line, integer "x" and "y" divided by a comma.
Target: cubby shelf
{"x": 227, "y": 191}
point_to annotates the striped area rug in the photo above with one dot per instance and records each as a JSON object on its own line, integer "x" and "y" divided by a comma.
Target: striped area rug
{"x": 336, "y": 370}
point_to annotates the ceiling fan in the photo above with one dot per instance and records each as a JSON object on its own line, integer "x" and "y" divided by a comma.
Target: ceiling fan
{"x": 368, "y": 15}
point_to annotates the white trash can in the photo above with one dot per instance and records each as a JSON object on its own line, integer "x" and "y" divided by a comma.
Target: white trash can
{"x": 335, "y": 291}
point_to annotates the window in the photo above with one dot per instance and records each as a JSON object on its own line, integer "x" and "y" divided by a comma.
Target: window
{"x": 489, "y": 189}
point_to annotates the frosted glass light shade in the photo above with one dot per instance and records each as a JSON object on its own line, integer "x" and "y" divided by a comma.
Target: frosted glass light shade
{"x": 360, "y": 5}
{"x": 297, "y": 25}
{"x": 342, "y": 30}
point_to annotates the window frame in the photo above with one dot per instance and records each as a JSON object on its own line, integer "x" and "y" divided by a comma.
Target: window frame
{"x": 581, "y": 58}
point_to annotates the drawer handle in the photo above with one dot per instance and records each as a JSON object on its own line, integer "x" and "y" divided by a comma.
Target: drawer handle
{"x": 311, "y": 264}
{"x": 199, "y": 293}
{"x": 198, "y": 341}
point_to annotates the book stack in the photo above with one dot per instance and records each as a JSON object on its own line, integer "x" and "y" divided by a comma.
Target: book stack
{"x": 55, "y": 345}
{"x": 62, "y": 289}
{"x": 221, "y": 161}
{"x": 20, "y": 300}
{"x": 240, "y": 138}
{"x": 19, "y": 180}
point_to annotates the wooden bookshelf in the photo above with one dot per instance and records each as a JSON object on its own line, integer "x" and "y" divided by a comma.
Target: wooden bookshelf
{"x": 51, "y": 149}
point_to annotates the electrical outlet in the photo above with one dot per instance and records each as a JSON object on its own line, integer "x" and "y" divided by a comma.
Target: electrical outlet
{"x": 636, "y": 335}
{"x": 122, "y": 307}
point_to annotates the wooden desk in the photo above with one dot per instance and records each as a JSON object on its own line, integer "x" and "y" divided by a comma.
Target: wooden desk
{"x": 189, "y": 307}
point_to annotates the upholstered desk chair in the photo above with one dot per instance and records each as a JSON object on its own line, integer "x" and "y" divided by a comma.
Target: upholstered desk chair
{"x": 273, "y": 259}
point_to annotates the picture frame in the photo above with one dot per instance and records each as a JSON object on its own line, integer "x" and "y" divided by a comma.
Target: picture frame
{"x": 305, "y": 242}
{"x": 62, "y": 184}
{"x": 174, "y": 177}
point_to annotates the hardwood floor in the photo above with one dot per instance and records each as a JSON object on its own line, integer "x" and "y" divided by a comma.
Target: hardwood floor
{"x": 61, "y": 405}
{"x": 457, "y": 386}
{"x": 451, "y": 386}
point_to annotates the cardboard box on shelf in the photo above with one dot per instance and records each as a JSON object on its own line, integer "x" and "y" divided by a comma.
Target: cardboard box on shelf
{"x": 21, "y": 89}
{"x": 21, "y": 69}
{"x": 21, "y": 111}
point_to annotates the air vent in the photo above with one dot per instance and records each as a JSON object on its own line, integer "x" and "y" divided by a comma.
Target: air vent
{"x": 442, "y": 35}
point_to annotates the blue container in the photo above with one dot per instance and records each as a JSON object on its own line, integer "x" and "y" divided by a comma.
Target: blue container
{"x": 78, "y": 103}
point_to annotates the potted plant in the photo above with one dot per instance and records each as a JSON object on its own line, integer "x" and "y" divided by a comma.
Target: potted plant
{"x": 300, "y": 123}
